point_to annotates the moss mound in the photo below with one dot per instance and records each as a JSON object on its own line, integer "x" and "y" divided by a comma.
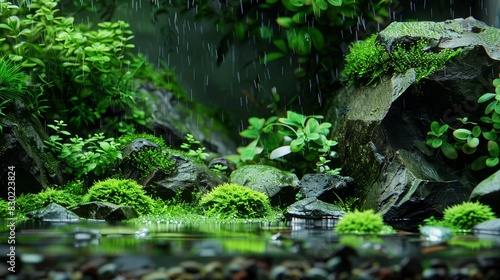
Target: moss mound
{"x": 234, "y": 201}
{"x": 121, "y": 192}
{"x": 466, "y": 215}
{"x": 362, "y": 222}
{"x": 30, "y": 202}
{"x": 4, "y": 209}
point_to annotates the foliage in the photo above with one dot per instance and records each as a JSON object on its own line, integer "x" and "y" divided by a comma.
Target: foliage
{"x": 296, "y": 134}
{"x": 360, "y": 222}
{"x": 466, "y": 215}
{"x": 30, "y": 202}
{"x": 89, "y": 75}
{"x": 189, "y": 146}
{"x": 472, "y": 136}
{"x": 147, "y": 159}
{"x": 4, "y": 209}
{"x": 121, "y": 192}
{"x": 234, "y": 201}
{"x": 368, "y": 60}
{"x": 82, "y": 156}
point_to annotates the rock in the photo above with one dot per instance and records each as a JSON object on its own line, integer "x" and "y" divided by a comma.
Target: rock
{"x": 280, "y": 186}
{"x": 488, "y": 192}
{"x": 105, "y": 211}
{"x": 435, "y": 233}
{"x": 313, "y": 208}
{"x": 188, "y": 178}
{"x": 451, "y": 34}
{"x": 21, "y": 148}
{"x": 488, "y": 227}
{"x": 174, "y": 118}
{"x": 326, "y": 187}
{"x": 382, "y": 128}
{"x": 53, "y": 213}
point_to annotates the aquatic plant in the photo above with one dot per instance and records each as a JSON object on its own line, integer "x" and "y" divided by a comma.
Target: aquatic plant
{"x": 466, "y": 215}
{"x": 296, "y": 134}
{"x": 471, "y": 136}
{"x": 234, "y": 201}
{"x": 121, "y": 192}
{"x": 83, "y": 156}
{"x": 32, "y": 201}
{"x": 368, "y": 60}
{"x": 360, "y": 222}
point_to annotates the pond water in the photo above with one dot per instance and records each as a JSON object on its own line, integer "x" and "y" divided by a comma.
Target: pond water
{"x": 51, "y": 246}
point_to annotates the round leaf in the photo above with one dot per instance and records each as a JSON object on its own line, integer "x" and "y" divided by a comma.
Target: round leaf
{"x": 461, "y": 133}
{"x": 493, "y": 149}
{"x": 472, "y": 142}
{"x": 490, "y": 162}
{"x": 297, "y": 145}
{"x": 449, "y": 151}
{"x": 479, "y": 163}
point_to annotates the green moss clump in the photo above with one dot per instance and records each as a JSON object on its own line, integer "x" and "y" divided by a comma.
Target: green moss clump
{"x": 121, "y": 192}
{"x": 369, "y": 60}
{"x": 234, "y": 201}
{"x": 362, "y": 222}
{"x": 148, "y": 159}
{"x": 30, "y": 202}
{"x": 466, "y": 215}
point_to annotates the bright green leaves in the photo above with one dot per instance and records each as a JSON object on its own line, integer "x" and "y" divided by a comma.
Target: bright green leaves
{"x": 468, "y": 140}
{"x": 293, "y": 135}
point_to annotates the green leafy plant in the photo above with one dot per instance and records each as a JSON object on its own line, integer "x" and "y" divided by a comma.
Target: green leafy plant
{"x": 190, "y": 144}
{"x": 360, "y": 222}
{"x": 82, "y": 156}
{"x": 234, "y": 201}
{"x": 4, "y": 209}
{"x": 296, "y": 134}
{"x": 470, "y": 135}
{"x": 121, "y": 192}
{"x": 30, "y": 202}
{"x": 368, "y": 60}
{"x": 466, "y": 215}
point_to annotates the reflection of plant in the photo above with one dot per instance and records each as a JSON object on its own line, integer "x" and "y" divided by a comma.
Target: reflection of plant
{"x": 234, "y": 201}
{"x": 362, "y": 222}
{"x": 82, "y": 156}
{"x": 296, "y": 134}
{"x": 121, "y": 192}
{"x": 468, "y": 137}
{"x": 368, "y": 60}
{"x": 189, "y": 144}
{"x": 4, "y": 209}
{"x": 29, "y": 202}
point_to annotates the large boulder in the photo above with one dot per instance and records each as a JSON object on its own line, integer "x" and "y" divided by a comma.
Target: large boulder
{"x": 488, "y": 192}
{"x": 326, "y": 187}
{"x": 313, "y": 208}
{"x": 53, "y": 213}
{"x": 97, "y": 210}
{"x": 280, "y": 186}
{"x": 382, "y": 129}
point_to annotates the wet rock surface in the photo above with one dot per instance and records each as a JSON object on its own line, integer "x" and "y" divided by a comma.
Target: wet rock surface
{"x": 105, "y": 211}
{"x": 53, "y": 213}
{"x": 488, "y": 192}
{"x": 312, "y": 207}
{"x": 280, "y": 186}
{"x": 326, "y": 187}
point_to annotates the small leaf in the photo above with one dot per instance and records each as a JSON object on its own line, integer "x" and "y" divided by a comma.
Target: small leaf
{"x": 472, "y": 142}
{"x": 461, "y": 134}
{"x": 496, "y": 82}
{"x": 435, "y": 127}
{"x": 297, "y": 145}
{"x": 257, "y": 123}
{"x": 490, "y": 135}
{"x": 281, "y": 45}
{"x": 271, "y": 56}
{"x": 493, "y": 149}
{"x": 491, "y": 162}
{"x": 317, "y": 38}
{"x": 476, "y": 131}
{"x": 285, "y": 22}
{"x": 490, "y": 107}
{"x": 485, "y": 97}
{"x": 435, "y": 143}
{"x": 468, "y": 149}
{"x": 250, "y": 133}
{"x": 337, "y": 3}
{"x": 449, "y": 151}
{"x": 479, "y": 163}
{"x": 280, "y": 152}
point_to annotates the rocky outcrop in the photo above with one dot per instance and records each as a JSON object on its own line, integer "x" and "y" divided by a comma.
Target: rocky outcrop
{"x": 326, "y": 187}
{"x": 97, "y": 210}
{"x": 53, "y": 213}
{"x": 313, "y": 208}
{"x": 280, "y": 186}
{"x": 382, "y": 128}
{"x": 488, "y": 192}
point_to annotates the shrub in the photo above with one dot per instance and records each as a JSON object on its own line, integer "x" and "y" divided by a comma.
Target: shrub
{"x": 466, "y": 215}
{"x": 234, "y": 201}
{"x": 30, "y": 202}
{"x": 121, "y": 192}
{"x": 4, "y": 209}
{"x": 363, "y": 222}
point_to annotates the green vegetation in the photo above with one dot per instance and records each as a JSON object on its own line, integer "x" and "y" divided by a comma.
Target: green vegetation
{"x": 30, "y": 202}
{"x": 82, "y": 156}
{"x": 463, "y": 216}
{"x": 362, "y": 222}
{"x": 190, "y": 144}
{"x": 121, "y": 192}
{"x": 4, "y": 209}
{"x": 368, "y": 60}
{"x": 148, "y": 159}
{"x": 125, "y": 140}
{"x": 234, "y": 201}
{"x": 472, "y": 137}
{"x": 298, "y": 135}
